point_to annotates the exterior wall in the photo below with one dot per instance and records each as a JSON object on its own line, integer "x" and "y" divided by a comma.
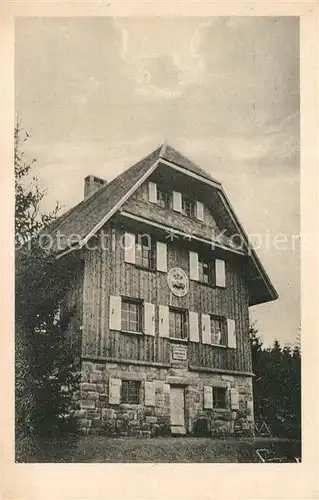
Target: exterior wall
{"x": 97, "y": 416}
{"x": 72, "y": 308}
{"x": 107, "y": 274}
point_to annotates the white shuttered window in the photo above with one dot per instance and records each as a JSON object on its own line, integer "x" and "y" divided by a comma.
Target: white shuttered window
{"x": 152, "y": 192}
{"x": 177, "y": 201}
{"x": 206, "y": 335}
{"x": 193, "y": 326}
{"x": 231, "y": 333}
{"x": 115, "y": 313}
{"x": 193, "y": 266}
{"x": 234, "y": 398}
{"x": 149, "y": 319}
{"x": 163, "y": 321}
{"x": 149, "y": 388}
{"x": 220, "y": 273}
{"x": 161, "y": 257}
{"x": 199, "y": 210}
{"x": 129, "y": 248}
{"x": 208, "y": 397}
{"x": 114, "y": 391}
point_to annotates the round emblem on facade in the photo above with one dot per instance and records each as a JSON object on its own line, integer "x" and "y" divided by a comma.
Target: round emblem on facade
{"x": 177, "y": 281}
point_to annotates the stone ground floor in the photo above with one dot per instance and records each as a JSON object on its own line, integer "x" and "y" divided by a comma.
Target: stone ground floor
{"x": 120, "y": 399}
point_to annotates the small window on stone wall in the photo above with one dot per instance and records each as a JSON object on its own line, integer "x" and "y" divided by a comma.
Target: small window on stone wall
{"x": 130, "y": 392}
{"x": 220, "y": 397}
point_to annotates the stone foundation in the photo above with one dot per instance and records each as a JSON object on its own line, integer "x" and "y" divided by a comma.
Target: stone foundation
{"x": 97, "y": 416}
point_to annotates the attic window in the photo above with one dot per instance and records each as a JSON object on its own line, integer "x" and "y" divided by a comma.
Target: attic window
{"x": 188, "y": 207}
{"x": 162, "y": 198}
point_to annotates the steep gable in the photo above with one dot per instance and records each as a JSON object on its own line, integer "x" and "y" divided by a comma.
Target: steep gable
{"x": 86, "y": 218}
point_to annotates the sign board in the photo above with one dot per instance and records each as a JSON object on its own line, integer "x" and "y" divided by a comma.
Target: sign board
{"x": 180, "y": 352}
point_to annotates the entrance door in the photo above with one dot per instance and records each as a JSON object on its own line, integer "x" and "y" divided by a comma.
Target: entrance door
{"x": 177, "y": 410}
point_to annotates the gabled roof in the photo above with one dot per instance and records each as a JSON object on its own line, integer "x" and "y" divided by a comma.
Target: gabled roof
{"x": 88, "y": 216}
{"x": 83, "y": 217}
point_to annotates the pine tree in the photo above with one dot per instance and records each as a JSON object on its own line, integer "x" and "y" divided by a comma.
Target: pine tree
{"x": 45, "y": 373}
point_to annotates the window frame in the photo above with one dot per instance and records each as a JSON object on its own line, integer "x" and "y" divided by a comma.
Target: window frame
{"x": 216, "y": 400}
{"x": 184, "y": 324}
{"x": 133, "y": 398}
{"x": 145, "y": 260}
{"x": 166, "y": 198}
{"x": 192, "y": 207}
{"x": 211, "y": 271}
{"x": 222, "y": 329}
{"x": 139, "y": 321}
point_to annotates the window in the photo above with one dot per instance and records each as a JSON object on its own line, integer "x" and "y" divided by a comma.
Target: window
{"x": 162, "y": 198}
{"x": 218, "y": 330}
{"x": 144, "y": 251}
{"x": 131, "y": 315}
{"x": 206, "y": 271}
{"x": 188, "y": 207}
{"x": 177, "y": 324}
{"x": 130, "y": 392}
{"x": 220, "y": 397}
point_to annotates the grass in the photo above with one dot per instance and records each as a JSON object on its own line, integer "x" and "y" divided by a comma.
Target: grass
{"x": 97, "y": 449}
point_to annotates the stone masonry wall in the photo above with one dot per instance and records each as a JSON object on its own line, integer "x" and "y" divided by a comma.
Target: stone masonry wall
{"x": 97, "y": 416}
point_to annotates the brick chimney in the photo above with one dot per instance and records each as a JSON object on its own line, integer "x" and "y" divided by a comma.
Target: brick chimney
{"x": 92, "y": 184}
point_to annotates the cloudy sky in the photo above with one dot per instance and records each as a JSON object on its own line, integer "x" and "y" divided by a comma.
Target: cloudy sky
{"x": 99, "y": 93}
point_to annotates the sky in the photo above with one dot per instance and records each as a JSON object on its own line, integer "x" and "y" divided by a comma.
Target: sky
{"x": 99, "y": 93}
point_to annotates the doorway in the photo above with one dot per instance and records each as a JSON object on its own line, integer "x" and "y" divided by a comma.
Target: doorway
{"x": 177, "y": 407}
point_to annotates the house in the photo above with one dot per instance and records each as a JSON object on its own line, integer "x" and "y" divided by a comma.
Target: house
{"x": 163, "y": 280}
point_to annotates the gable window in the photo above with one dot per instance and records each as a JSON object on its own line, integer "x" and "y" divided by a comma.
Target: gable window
{"x": 188, "y": 207}
{"x": 130, "y": 391}
{"x": 177, "y": 324}
{"x": 131, "y": 315}
{"x": 218, "y": 330}
{"x": 162, "y": 198}
{"x": 144, "y": 251}
{"x": 220, "y": 397}
{"x": 206, "y": 270}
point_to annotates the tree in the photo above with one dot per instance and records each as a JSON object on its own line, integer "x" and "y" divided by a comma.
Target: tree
{"x": 29, "y": 219}
{"x": 277, "y": 385}
{"x": 45, "y": 371}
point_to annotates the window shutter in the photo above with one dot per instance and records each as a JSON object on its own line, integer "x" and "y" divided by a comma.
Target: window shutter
{"x": 231, "y": 333}
{"x": 234, "y": 399}
{"x": 193, "y": 326}
{"x": 208, "y": 397}
{"x": 115, "y": 313}
{"x": 163, "y": 321}
{"x": 149, "y": 388}
{"x": 220, "y": 273}
{"x": 114, "y": 391}
{"x": 129, "y": 248}
{"x": 193, "y": 266}
{"x": 199, "y": 210}
{"x": 206, "y": 333}
{"x": 177, "y": 201}
{"x": 149, "y": 319}
{"x": 152, "y": 192}
{"x": 161, "y": 256}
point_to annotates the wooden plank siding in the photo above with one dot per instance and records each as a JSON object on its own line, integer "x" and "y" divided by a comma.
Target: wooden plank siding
{"x": 107, "y": 274}
{"x": 72, "y": 308}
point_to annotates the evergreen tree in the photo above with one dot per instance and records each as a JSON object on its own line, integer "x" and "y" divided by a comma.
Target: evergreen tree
{"x": 277, "y": 385}
{"x": 45, "y": 373}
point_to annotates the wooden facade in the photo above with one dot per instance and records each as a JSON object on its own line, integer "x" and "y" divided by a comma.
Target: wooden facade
{"x": 107, "y": 274}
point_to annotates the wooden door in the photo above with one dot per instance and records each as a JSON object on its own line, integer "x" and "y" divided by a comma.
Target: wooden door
{"x": 177, "y": 405}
